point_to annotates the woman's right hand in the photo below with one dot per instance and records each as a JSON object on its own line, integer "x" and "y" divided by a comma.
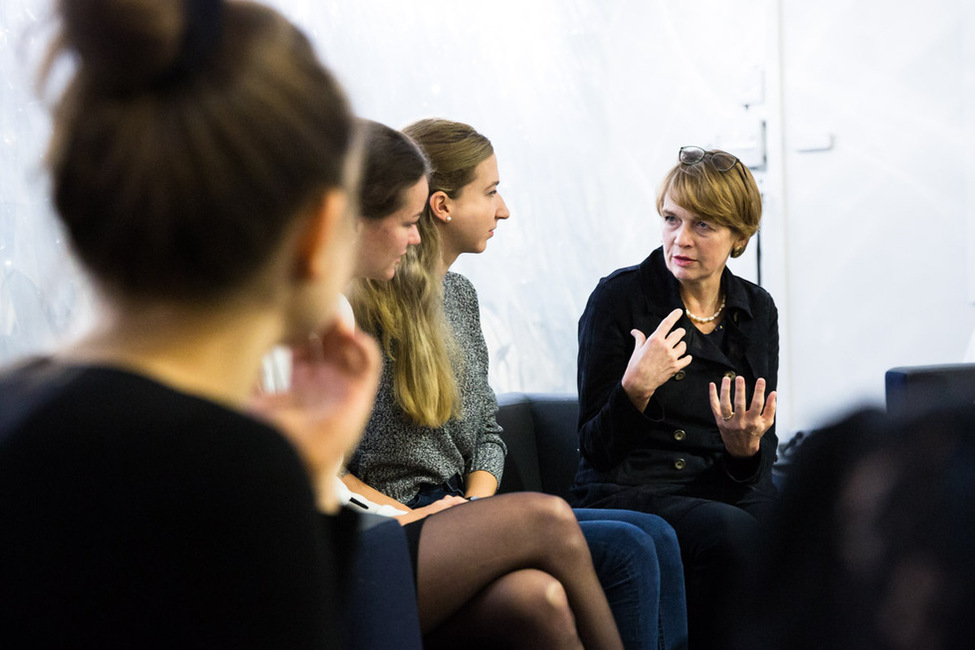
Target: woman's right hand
{"x": 333, "y": 385}
{"x": 435, "y": 507}
{"x": 655, "y": 359}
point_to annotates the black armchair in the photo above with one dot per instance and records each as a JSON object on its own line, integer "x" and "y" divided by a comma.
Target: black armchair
{"x": 543, "y": 446}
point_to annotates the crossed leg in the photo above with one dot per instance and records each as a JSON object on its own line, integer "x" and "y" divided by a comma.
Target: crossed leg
{"x": 519, "y": 557}
{"x": 524, "y": 609}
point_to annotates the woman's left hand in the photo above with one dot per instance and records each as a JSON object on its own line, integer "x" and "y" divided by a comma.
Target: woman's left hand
{"x": 742, "y": 429}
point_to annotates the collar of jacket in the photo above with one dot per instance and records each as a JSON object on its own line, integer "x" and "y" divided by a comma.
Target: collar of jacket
{"x": 659, "y": 281}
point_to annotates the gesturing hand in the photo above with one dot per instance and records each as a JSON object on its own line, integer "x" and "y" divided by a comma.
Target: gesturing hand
{"x": 742, "y": 429}
{"x": 655, "y": 359}
{"x": 333, "y": 384}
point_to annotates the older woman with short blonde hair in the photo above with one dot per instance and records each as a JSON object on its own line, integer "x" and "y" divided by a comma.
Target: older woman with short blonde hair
{"x": 678, "y": 360}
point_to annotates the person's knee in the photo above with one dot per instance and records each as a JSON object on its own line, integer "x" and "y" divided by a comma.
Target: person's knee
{"x": 668, "y": 548}
{"x": 739, "y": 535}
{"x": 662, "y": 533}
{"x": 725, "y": 534}
{"x": 537, "y": 606}
{"x": 554, "y": 522}
{"x": 623, "y": 554}
{"x": 548, "y": 507}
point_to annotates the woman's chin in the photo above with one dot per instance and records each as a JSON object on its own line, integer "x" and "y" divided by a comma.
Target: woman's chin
{"x": 383, "y": 275}
{"x": 678, "y": 272}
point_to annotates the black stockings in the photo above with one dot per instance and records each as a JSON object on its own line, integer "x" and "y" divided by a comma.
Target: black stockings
{"x": 510, "y": 571}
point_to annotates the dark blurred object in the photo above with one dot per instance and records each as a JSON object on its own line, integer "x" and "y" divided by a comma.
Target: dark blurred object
{"x": 872, "y": 545}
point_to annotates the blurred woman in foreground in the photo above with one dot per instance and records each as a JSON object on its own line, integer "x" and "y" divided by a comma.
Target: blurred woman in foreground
{"x": 199, "y": 165}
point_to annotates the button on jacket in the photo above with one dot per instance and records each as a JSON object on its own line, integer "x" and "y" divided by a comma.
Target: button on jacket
{"x": 673, "y": 447}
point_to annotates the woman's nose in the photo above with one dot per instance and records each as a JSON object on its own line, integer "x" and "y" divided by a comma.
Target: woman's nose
{"x": 502, "y": 212}
{"x": 414, "y": 238}
{"x": 683, "y": 237}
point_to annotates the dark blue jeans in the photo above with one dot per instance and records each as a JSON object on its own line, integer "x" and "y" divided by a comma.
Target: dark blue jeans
{"x": 637, "y": 559}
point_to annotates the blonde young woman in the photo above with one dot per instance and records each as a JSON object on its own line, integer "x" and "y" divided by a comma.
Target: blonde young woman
{"x": 512, "y": 572}
{"x": 433, "y": 434}
{"x": 199, "y": 167}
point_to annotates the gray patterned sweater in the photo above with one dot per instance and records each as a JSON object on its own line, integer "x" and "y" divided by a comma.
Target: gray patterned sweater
{"x": 397, "y": 456}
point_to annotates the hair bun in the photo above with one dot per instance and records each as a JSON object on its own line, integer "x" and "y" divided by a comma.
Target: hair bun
{"x": 127, "y": 45}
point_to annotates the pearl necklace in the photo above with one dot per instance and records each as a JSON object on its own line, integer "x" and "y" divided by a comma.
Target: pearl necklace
{"x": 701, "y": 319}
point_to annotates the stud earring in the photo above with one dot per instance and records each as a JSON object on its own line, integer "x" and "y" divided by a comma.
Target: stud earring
{"x": 448, "y": 220}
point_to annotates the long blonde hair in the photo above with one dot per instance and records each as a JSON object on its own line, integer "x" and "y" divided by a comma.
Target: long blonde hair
{"x": 406, "y": 313}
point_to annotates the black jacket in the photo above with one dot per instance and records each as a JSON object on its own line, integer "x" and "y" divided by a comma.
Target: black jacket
{"x": 673, "y": 447}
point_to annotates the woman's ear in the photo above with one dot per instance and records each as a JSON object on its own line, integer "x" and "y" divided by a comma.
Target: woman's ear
{"x": 440, "y": 205}
{"x": 326, "y": 228}
{"x": 739, "y": 247}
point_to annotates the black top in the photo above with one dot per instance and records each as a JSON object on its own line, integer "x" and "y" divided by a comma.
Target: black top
{"x": 673, "y": 447}
{"x": 134, "y": 515}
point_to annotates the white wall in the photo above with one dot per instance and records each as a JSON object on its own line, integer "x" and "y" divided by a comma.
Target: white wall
{"x": 42, "y": 295}
{"x": 864, "y": 244}
{"x": 876, "y": 245}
